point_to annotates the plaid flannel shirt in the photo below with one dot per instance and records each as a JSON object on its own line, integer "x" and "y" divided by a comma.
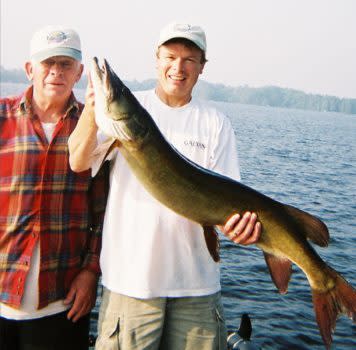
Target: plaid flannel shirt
{"x": 41, "y": 198}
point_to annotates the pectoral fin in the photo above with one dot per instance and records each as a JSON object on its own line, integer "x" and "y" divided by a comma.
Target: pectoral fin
{"x": 101, "y": 152}
{"x": 212, "y": 242}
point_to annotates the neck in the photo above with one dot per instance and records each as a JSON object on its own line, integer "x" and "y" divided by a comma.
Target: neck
{"x": 170, "y": 100}
{"x": 48, "y": 110}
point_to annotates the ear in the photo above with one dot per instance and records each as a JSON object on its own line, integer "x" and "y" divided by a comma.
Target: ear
{"x": 157, "y": 57}
{"x": 29, "y": 70}
{"x": 81, "y": 68}
{"x": 156, "y": 63}
{"x": 202, "y": 68}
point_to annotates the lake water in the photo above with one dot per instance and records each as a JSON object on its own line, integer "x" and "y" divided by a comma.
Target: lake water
{"x": 306, "y": 159}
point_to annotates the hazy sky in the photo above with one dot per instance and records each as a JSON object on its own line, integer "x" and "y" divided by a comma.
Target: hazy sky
{"x": 308, "y": 45}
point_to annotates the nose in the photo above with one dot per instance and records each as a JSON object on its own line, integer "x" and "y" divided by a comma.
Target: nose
{"x": 178, "y": 65}
{"x": 56, "y": 69}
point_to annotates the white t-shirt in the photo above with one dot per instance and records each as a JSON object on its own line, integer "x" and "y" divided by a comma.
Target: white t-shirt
{"x": 29, "y": 303}
{"x": 148, "y": 250}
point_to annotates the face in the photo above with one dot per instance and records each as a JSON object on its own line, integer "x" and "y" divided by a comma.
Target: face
{"x": 178, "y": 68}
{"x": 53, "y": 79}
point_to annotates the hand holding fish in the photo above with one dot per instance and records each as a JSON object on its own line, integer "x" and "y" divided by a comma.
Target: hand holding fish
{"x": 243, "y": 230}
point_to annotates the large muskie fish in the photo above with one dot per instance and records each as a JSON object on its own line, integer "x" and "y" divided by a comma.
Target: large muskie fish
{"x": 177, "y": 182}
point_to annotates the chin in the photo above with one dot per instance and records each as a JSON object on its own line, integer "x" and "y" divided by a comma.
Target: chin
{"x": 61, "y": 90}
{"x": 58, "y": 94}
{"x": 177, "y": 90}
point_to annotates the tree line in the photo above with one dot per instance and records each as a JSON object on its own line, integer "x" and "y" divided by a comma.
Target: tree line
{"x": 263, "y": 96}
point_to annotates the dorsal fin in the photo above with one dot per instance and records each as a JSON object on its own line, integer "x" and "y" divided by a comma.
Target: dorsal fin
{"x": 313, "y": 228}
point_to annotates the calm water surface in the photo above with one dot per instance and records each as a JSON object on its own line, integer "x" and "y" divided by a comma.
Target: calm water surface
{"x": 306, "y": 159}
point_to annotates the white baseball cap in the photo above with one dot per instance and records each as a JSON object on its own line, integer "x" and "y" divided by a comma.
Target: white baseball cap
{"x": 53, "y": 41}
{"x": 187, "y": 31}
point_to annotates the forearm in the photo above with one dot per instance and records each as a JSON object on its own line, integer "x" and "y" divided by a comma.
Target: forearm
{"x": 82, "y": 141}
{"x": 97, "y": 198}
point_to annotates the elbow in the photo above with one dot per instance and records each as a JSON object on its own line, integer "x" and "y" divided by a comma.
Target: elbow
{"x": 76, "y": 166}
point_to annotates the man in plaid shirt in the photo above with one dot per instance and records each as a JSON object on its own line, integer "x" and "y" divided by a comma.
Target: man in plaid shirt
{"x": 50, "y": 217}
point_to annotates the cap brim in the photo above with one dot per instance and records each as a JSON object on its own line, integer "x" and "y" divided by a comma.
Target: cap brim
{"x": 182, "y": 36}
{"x": 57, "y": 51}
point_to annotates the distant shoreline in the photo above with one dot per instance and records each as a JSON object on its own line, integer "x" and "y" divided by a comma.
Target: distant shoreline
{"x": 269, "y": 96}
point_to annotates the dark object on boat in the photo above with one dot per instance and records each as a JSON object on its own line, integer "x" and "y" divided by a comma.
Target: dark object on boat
{"x": 91, "y": 340}
{"x": 241, "y": 340}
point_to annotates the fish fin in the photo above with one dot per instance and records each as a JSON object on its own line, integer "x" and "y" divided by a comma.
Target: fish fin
{"x": 212, "y": 242}
{"x": 280, "y": 270}
{"x": 99, "y": 156}
{"x": 328, "y": 305}
{"x": 314, "y": 228}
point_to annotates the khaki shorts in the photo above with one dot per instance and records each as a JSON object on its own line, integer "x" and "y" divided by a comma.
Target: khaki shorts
{"x": 189, "y": 323}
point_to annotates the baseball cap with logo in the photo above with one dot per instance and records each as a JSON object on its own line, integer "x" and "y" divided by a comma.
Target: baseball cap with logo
{"x": 53, "y": 41}
{"x": 187, "y": 31}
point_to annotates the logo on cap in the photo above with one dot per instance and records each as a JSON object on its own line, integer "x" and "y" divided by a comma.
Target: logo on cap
{"x": 183, "y": 27}
{"x": 56, "y": 37}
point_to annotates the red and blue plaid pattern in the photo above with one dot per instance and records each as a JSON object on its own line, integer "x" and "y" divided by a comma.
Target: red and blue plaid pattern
{"x": 41, "y": 198}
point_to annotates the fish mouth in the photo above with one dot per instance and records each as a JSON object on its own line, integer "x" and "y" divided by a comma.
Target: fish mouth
{"x": 98, "y": 71}
{"x": 104, "y": 76}
{"x": 111, "y": 87}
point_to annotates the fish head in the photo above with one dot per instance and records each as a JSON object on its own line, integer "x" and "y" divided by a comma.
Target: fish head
{"x": 109, "y": 91}
{"x": 116, "y": 108}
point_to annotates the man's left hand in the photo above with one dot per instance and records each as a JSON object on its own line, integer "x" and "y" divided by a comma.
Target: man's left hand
{"x": 81, "y": 295}
{"x": 246, "y": 230}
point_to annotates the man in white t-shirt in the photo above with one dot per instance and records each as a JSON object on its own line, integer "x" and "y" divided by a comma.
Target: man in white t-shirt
{"x": 161, "y": 286}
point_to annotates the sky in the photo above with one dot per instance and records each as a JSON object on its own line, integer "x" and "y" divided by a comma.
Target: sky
{"x": 308, "y": 45}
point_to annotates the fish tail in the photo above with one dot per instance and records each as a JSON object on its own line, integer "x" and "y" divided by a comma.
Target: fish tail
{"x": 341, "y": 299}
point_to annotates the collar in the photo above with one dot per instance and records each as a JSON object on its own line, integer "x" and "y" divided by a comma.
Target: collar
{"x": 25, "y": 105}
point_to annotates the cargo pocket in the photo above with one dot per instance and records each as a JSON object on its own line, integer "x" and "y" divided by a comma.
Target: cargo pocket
{"x": 115, "y": 328}
{"x": 115, "y": 333}
{"x": 109, "y": 339}
{"x": 221, "y": 331}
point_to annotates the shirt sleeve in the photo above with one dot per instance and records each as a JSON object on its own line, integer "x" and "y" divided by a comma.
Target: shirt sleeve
{"x": 98, "y": 193}
{"x": 224, "y": 157}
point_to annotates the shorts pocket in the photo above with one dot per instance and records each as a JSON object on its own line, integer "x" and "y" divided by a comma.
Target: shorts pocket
{"x": 108, "y": 338}
{"x": 114, "y": 328}
{"x": 221, "y": 331}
